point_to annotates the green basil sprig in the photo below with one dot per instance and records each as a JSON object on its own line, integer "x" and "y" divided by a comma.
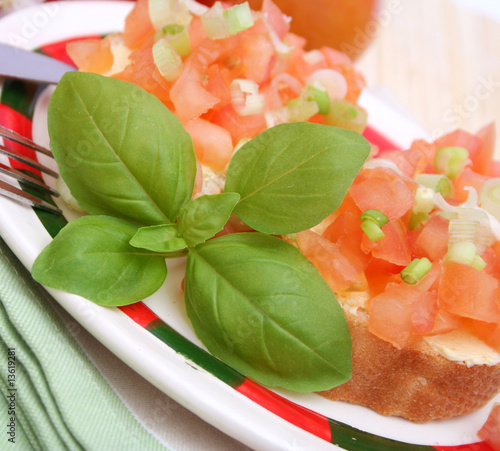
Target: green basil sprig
{"x": 254, "y": 300}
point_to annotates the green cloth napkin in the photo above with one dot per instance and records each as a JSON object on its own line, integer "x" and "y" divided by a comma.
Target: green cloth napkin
{"x": 53, "y": 397}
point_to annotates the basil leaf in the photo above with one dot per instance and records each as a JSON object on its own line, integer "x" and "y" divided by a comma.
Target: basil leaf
{"x": 201, "y": 218}
{"x": 119, "y": 149}
{"x": 291, "y": 176}
{"x": 260, "y": 306}
{"x": 160, "y": 238}
{"x": 92, "y": 257}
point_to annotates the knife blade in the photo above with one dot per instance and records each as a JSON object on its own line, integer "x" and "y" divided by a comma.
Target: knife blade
{"x": 31, "y": 66}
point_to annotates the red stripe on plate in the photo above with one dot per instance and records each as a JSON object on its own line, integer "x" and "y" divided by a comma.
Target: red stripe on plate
{"x": 57, "y": 50}
{"x": 297, "y": 415}
{"x": 480, "y": 446}
{"x": 19, "y": 123}
{"x": 374, "y": 137}
{"x": 138, "y": 312}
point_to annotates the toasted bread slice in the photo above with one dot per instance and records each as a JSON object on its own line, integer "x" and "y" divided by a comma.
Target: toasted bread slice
{"x": 415, "y": 382}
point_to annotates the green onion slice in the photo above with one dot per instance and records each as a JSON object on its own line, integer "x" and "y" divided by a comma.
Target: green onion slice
{"x": 451, "y": 161}
{"x": 438, "y": 182}
{"x": 348, "y": 115}
{"x": 417, "y": 269}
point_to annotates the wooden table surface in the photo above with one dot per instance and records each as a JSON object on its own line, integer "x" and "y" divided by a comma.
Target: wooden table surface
{"x": 440, "y": 61}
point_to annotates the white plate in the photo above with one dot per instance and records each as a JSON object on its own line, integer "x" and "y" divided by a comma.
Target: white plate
{"x": 192, "y": 386}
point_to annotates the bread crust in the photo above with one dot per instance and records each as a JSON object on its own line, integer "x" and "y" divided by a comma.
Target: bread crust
{"x": 415, "y": 382}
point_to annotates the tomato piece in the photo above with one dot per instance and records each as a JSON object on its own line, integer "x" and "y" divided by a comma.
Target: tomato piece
{"x": 333, "y": 265}
{"x": 138, "y": 26}
{"x": 488, "y": 332}
{"x": 91, "y": 55}
{"x": 411, "y": 162}
{"x": 212, "y": 144}
{"x": 401, "y": 313}
{"x": 490, "y": 432}
{"x": 445, "y": 322}
{"x": 466, "y": 178}
{"x": 432, "y": 240}
{"x": 383, "y": 189}
{"x": 345, "y": 231}
{"x": 142, "y": 71}
{"x": 239, "y": 126}
{"x": 492, "y": 259}
{"x": 482, "y": 163}
{"x": 468, "y": 292}
{"x": 275, "y": 18}
{"x": 394, "y": 247}
{"x": 379, "y": 273}
{"x": 461, "y": 138}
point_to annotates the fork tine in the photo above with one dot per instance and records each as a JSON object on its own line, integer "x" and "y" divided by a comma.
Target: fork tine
{"x": 26, "y": 198}
{"x": 31, "y": 181}
{"x": 20, "y": 139}
{"x": 29, "y": 161}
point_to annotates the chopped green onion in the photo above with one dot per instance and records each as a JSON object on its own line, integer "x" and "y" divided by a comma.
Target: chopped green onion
{"x": 164, "y": 12}
{"x": 372, "y": 221}
{"x": 416, "y": 220}
{"x": 372, "y": 230}
{"x": 424, "y": 200}
{"x": 221, "y": 23}
{"x": 238, "y": 18}
{"x": 245, "y": 97}
{"x": 417, "y": 269}
{"x": 374, "y": 215}
{"x": 166, "y": 59}
{"x": 489, "y": 197}
{"x": 301, "y": 110}
{"x": 451, "y": 161}
{"x": 346, "y": 115}
{"x": 318, "y": 95}
{"x": 313, "y": 56}
{"x": 438, "y": 182}
{"x": 463, "y": 252}
{"x": 177, "y": 36}
{"x": 332, "y": 81}
{"x": 478, "y": 263}
{"x": 214, "y": 24}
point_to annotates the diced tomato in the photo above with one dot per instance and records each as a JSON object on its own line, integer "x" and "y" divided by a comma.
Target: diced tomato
{"x": 492, "y": 259}
{"x": 461, "y": 138}
{"x": 91, "y": 55}
{"x": 394, "y": 247}
{"x": 212, "y": 144}
{"x": 142, "y": 71}
{"x": 470, "y": 178}
{"x": 335, "y": 58}
{"x": 488, "y": 332}
{"x": 138, "y": 26}
{"x": 239, "y": 126}
{"x": 217, "y": 84}
{"x": 338, "y": 271}
{"x": 383, "y": 189}
{"x": 401, "y": 313}
{"x": 432, "y": 240}
{"x": 468, "y": 292}
{"x": 345, "y": 231}
{"x": 445, "y": 322}
{"x": 275, "y": 18}
{"x": 255, "y": 52}
{"x": 482, "y": 163}
{"x": 490, "y": 432}
{"x": 379, "y": 273}
{"x": 411, "y": 162}
{"x": 424, "y": 310}
{"x": 355, "y": 82}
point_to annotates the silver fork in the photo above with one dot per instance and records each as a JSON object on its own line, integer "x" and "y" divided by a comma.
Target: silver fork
{"x": 38, "y": 189}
